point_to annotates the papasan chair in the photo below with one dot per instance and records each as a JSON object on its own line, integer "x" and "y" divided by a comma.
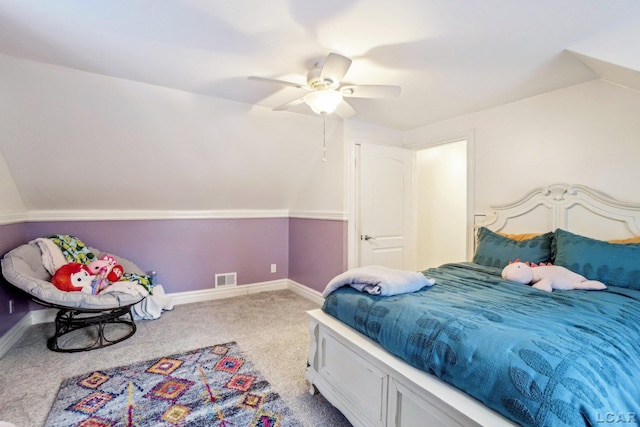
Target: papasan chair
{"x": 84, "y": 321}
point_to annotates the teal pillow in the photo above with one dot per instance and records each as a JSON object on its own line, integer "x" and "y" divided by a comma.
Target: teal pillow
{"x": 495, "y": 250}
{"x": 613, "y": 264}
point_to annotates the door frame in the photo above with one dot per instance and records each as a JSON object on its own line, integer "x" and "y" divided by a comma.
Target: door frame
{"x": 468, "y": 136}
{"x": 352, "y": 154}
{"x": 353, "y": 194}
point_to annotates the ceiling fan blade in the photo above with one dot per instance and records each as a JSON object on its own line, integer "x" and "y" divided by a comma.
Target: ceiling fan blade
{"x": 370, "y": 91}
{"x": 278, "y": 82}
{"x": 335, "y": 67}
{"x": 289, "y": 104}
{"x": 345, "y": 110}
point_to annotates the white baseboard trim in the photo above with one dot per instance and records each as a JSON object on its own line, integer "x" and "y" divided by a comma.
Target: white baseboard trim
{"x": 35, "y": 317}
{"x": 43, "y": 316}
{"x": 224, "y": 292}
{"x": 306, "y": 292}
{"x": 9, "y": 339}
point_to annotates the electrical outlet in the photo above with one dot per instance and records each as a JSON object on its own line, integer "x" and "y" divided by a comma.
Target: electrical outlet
{"x": 273, "y": 268}
{"x": 10, "y": 306}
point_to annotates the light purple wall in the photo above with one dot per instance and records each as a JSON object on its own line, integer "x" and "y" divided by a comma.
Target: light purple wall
{"x": 11, "y": 236}
{"x": 317, "y": 251}
{"x": 187, "y": 254}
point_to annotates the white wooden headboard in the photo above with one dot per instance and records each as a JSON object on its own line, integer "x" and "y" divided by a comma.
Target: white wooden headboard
{"x": 575, "y": 208}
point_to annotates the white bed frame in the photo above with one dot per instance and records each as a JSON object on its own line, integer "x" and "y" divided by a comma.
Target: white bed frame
{"x": 373, "y": 388}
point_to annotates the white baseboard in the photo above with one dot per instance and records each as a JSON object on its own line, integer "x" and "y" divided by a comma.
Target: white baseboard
{"x": 14, "y": 334}
{"x": 43, "y": 316}
{"x": 306, "y": 292}
{"x": 227, "y": 292}
{"x": 35, "y": 317}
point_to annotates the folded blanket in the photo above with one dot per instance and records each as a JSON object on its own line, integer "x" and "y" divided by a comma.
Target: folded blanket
{"x": 52, "y": 256}
{"x": 379, "y": 280}
{"x": 153, "y": 305}
{"x": 126, "y": 287}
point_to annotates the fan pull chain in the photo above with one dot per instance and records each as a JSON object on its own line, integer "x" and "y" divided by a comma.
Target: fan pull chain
{"x": 324, "y": 137}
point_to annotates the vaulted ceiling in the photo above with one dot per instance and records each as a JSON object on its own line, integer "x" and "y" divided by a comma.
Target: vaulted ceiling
{"x": 451, "y": 57}
{"x": 127, "y": 106}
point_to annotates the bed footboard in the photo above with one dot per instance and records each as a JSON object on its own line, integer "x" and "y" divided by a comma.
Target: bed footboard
{"x": 373, "y": 388}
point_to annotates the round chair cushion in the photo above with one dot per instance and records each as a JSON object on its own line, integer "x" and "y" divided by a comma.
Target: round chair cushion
{"x": 23, "y": 268}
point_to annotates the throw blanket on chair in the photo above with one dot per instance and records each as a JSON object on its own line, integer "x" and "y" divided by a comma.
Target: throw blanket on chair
{"x": 73, "y": 249}
{"x": 379, "y": 280}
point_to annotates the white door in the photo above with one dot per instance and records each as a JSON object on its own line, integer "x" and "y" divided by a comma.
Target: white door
{"x": 385, "y": 208}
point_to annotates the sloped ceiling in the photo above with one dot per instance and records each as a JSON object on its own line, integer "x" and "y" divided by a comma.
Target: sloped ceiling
{"x": 451, "y": 57}
{"x": 79, "y": 141}
{"x": 128, "y": 105}
{"x": 613, "y": 56}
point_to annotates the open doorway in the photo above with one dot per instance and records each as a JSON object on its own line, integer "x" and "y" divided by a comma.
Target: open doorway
{"x": 441, "y": 204}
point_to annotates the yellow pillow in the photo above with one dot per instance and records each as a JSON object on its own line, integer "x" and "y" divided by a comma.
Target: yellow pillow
{"x": 520, "y": 237}
{"x": 626, "y": 241}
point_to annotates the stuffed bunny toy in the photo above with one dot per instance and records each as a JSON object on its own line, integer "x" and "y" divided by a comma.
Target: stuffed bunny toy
{"x": 547, "y": 277}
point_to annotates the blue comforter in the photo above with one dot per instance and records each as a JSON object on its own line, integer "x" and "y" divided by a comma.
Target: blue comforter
{"x": 567, "y": 358}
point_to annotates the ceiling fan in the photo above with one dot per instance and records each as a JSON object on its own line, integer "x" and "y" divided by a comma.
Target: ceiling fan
{"x": 327, "y": 91}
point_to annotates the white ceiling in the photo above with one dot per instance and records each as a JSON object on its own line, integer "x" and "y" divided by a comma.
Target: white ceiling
{"x": 451, "y": 57}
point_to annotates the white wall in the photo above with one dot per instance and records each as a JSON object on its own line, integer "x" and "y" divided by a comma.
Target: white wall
{"x": 75, "y": 140}
{"x": 11, "y": 206}
{"x": 320, "y": 185}
{"x": 585, "y": 134}
{"x": 359, "y": 132}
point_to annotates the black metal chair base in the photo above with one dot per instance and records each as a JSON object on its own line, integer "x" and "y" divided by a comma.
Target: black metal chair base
{"x": 81, "y": 329}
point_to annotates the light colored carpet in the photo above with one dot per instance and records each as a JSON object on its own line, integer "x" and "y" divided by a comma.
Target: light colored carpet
{"x": 269, "y": 327}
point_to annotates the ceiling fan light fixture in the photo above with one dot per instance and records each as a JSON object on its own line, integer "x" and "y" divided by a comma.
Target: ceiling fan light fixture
{"x": 323, "y": 101}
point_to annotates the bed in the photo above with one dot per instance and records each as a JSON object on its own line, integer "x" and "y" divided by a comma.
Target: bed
{"x": 475, "y": 349}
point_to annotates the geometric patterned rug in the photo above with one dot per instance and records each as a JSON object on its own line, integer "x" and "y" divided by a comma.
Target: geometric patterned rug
{"x": 212, "y": 386}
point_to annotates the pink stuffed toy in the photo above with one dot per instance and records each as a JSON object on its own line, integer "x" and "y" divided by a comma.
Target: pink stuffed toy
{"x": 106, "y": 270}
{"x": 72, "y": 277}
{"x": 547, "y": 277}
